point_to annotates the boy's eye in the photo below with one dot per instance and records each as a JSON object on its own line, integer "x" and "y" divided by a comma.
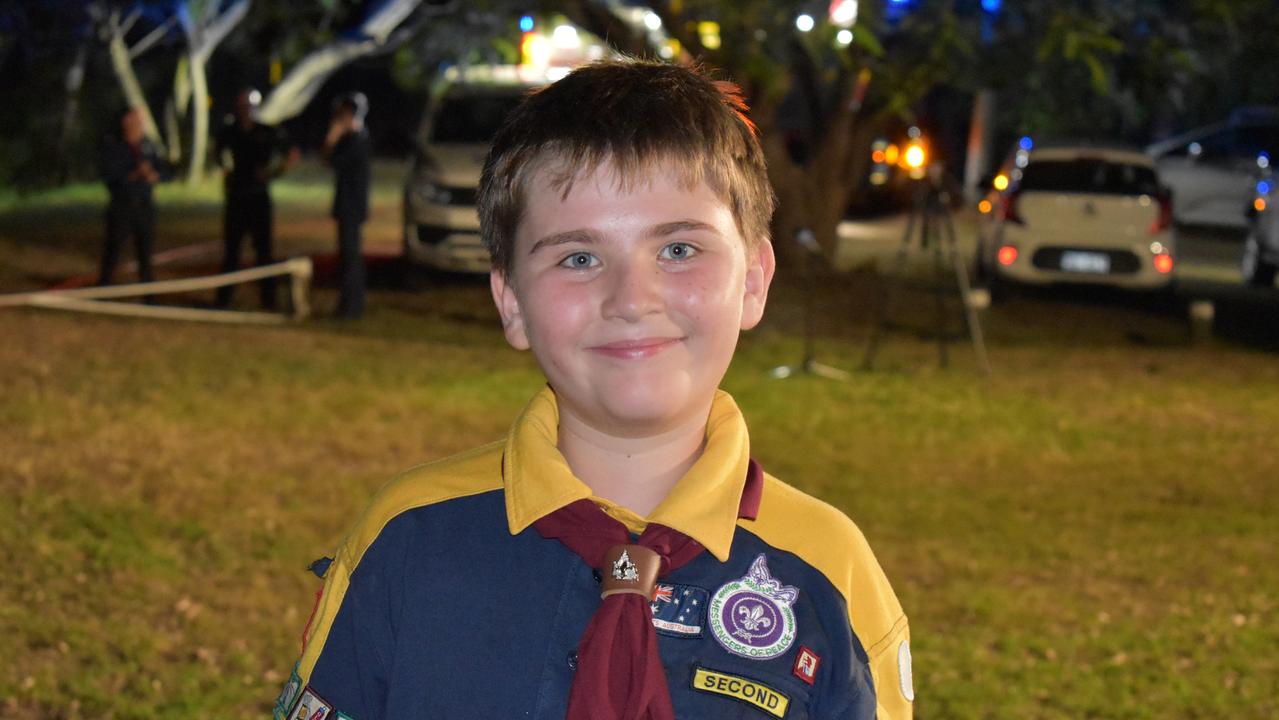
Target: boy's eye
{"x": 579, "y": 261}
{"x": 677, "y": 251}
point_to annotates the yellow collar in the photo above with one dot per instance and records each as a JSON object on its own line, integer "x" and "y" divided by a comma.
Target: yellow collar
{"x": 702, "y": 505}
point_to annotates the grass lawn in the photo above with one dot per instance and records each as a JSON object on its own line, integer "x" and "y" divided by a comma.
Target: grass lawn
{"x": 1091, "y": 533}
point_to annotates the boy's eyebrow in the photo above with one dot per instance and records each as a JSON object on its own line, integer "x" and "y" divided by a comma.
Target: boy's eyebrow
{"x": 671, "y": 228}
{"x": 561, "y": 238}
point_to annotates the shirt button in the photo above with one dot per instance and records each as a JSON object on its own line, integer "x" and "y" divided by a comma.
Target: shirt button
{"x": 572, "y": 660}
{"x": 595, "y": 575}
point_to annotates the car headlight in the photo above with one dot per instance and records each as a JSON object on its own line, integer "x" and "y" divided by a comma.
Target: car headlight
{"x": 428, "y": 191}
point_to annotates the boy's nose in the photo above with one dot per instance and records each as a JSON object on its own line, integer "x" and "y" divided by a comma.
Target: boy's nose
{"x": 634, "y": 291}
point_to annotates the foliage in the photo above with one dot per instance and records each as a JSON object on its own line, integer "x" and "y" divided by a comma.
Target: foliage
{"x": 1089, "y": 535}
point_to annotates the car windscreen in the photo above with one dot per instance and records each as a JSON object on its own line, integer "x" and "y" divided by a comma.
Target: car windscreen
{"x": 471, "y": 118}
{"x": 1089, "y": 176}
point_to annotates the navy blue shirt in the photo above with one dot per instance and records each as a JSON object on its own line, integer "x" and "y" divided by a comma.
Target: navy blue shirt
{"x": 444, "y": 602}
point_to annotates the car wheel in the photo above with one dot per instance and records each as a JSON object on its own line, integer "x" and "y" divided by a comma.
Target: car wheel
{"x": 1256, "y": 271}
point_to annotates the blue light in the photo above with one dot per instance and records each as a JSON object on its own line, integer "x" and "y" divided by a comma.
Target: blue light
{"x": 526, "y": 23}
{"x": 1263, "y": 188}
{"x": 1025, "y": 143}
{"x": 991, "y": 6}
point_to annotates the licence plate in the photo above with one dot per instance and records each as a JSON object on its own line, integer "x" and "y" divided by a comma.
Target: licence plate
{"x": 1085, "y": 262}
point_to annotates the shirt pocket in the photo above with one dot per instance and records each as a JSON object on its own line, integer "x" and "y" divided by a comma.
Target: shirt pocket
{"x": 732, "y": 690}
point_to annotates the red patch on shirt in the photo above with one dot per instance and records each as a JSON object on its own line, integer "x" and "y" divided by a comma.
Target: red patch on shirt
{"x": 806, "y": 663}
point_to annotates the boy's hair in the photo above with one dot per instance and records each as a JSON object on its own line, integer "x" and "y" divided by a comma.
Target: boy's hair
{"x": 636, "y": 115}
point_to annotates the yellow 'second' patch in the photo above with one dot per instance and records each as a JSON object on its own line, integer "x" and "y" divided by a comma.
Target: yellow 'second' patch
{"x": 761, "y": 696}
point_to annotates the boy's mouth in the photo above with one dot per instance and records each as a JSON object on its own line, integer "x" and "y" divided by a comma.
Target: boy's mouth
{"x": 636, "y": 349}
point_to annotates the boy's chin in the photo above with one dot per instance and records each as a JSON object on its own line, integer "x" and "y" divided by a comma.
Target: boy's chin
{"x": 637, "y": 412}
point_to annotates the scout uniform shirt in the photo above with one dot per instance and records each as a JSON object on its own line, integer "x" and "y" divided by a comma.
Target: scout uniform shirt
{"x": 444, "y": 602}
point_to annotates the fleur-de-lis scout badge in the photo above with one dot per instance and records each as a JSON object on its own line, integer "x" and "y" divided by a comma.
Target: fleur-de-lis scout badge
{"x": 752, "y": 616}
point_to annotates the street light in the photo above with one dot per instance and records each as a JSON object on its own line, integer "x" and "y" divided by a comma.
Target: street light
{"x": 804, "y": 22}
{"x": 843, "y": 13}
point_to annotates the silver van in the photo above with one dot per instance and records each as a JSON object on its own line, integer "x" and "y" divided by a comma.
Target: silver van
{"x": 465, "y": 109}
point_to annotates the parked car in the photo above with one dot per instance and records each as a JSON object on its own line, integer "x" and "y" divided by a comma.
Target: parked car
{"x": 1212, "y": 169}
{"x": 464, "y": 112}
{"x": 1261, "y": 248}
{"x": 1075, "y": 214}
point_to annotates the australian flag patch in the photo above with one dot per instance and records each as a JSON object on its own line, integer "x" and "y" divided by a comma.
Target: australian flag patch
{"x": 679, "y": 610}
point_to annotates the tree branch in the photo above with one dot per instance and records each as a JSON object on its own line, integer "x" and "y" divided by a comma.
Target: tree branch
{"x": 151, "y": 38}
{"x": 306, "y": 78}
{"x": 127, "y": 25}
{"x": 385, "y": 19}
{"x": 217, "y": 30}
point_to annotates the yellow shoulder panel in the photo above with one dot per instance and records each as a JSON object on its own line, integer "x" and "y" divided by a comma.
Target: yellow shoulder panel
{"x": 470, "y": 473}
{"x": 826, "y": 539}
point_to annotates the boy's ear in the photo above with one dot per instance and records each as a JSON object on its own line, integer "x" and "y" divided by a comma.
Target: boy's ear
{"x": 760, "y": 266}
{"x": 508, "y": 306}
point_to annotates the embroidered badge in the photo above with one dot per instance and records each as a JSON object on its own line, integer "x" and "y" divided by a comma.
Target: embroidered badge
{"x": 624, "y": 569}
{"x": 904, "y": 673}
{"x": 678, "y": 609}
{"x": 748, "y": 691}
{"x": 311, "y": 707}
{"x": 752, "y": 616}
{"x": 806, "y": 662}
{"x": 288, "y": 695}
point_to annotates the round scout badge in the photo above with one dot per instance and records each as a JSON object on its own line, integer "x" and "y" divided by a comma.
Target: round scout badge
{"x": 752, "y": 616}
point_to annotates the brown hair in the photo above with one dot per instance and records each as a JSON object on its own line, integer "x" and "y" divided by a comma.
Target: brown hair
{"x": 636, "y": 115}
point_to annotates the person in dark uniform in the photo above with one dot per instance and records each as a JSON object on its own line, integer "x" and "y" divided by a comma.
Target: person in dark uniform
{"x": 131, "y": 165}
{"x": 346, "y": 148}
{"x": 250, "y": 154}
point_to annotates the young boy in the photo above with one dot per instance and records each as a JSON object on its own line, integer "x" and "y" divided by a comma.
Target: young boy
{"x": 619, "y": 555}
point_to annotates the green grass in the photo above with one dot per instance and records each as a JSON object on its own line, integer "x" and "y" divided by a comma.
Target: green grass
{"x": 1091, "y": 533}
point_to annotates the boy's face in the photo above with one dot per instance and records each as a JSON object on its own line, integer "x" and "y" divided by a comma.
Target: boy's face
{"x": 632, "y": 300}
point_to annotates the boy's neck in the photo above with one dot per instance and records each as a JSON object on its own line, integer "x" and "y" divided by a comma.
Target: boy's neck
{"x": 634, "y": 472}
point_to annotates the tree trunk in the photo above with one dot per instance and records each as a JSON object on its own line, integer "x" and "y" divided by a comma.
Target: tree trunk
{"x": 199, "y": 119}
{"x": 132, "y": 90}
{"x": 815, "y": 196}
{"x": 173, "y": 131}
{"x": 175, "y": 110}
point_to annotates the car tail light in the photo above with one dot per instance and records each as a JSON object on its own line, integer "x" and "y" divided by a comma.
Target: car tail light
{"x": 1163, "y": 264}
{"x": 1163, "y": 219}
{"x": 1008, "y": 209}
{"x": 1007, "y": 255}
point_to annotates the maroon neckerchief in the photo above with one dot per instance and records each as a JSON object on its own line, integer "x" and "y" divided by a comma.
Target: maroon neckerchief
{"x": 619, "y": 671}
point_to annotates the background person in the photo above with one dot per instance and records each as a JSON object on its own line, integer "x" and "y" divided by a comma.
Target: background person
{"x": 346, "y": 149}
{"x": 131, "y": 165}
{"x": 250, "y": 154}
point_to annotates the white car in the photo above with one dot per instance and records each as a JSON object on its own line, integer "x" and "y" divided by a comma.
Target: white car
{"x": 1212, "y": 169}
{"x": 465, "y": 110}
{"x": 1261, "y": 248}
{"x": 1080, "y": 215}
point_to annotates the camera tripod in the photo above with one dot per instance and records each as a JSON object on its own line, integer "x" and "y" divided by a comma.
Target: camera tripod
{"x": 809, "y": 365}
{"x": 930, "y": 224}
